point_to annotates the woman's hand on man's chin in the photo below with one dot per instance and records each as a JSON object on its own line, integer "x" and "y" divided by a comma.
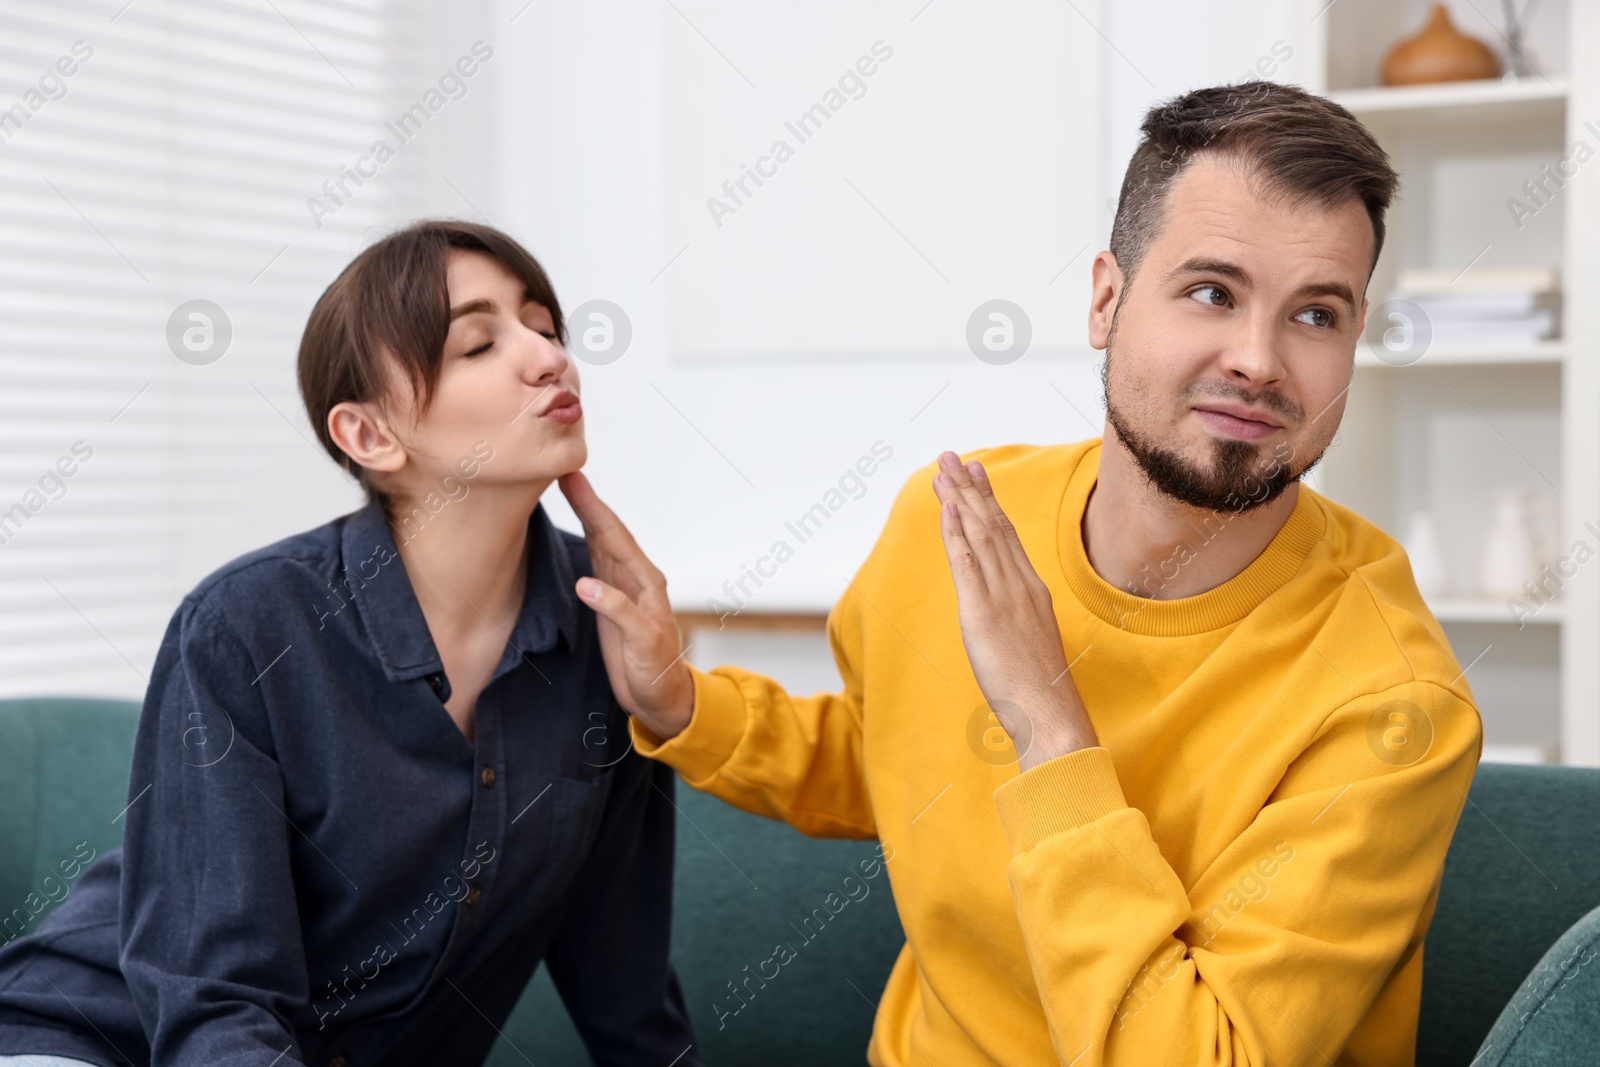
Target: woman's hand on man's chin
{"x": 638, "y": 634}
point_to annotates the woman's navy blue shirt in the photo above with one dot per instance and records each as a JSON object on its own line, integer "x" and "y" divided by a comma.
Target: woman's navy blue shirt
{"x": 319, "y": 868}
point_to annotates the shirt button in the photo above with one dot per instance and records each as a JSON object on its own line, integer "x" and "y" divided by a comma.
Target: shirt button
{"x": 488, "y": 777}
{"x": 473, "y": 895}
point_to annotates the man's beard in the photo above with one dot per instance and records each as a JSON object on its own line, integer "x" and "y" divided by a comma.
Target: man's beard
{"x": 1239, "y": 479}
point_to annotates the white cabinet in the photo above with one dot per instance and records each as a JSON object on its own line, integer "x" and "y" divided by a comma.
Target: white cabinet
{"x": 1444, "y": 432}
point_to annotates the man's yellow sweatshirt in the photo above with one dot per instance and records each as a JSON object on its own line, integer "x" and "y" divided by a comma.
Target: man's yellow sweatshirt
{"x": 1241, "y": 872}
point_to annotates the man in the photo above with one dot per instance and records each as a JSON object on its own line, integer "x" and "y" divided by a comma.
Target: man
{"x": 1241, "y": 741}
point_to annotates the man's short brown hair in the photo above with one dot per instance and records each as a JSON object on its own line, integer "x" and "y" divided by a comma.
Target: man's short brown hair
{"x": 390, "y": 310}
{"x": 1301, "y": 146}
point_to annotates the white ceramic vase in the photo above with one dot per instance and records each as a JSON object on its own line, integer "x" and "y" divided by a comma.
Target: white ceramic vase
{"x": 1427, "y": 559}
{"x": 1511, "y": 546}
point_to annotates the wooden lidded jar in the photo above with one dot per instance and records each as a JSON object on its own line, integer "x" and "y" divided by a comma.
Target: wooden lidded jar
{"x": 1440, "y": 53}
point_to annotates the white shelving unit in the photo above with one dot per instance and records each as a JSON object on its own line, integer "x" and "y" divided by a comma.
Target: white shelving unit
{"x": 1529, "y": 95}
{"x": 1551, "y": 352}
{"x": 1439, "y": 434}
{"x": 1489, "y": 611}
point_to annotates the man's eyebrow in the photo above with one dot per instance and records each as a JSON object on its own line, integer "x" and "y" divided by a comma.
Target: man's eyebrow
{"x": 470, "y": 307}
{"x": 1220, "y": 267}
{"x": 1338, "y": 290}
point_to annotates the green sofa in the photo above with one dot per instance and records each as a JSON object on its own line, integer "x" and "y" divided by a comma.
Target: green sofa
{"x": 1507, "y": 981}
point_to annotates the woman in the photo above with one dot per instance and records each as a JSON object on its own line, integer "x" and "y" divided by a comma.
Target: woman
{"x": 380, "y": 774}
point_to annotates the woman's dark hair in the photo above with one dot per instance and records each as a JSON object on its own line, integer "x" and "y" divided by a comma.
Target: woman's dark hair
{"x": 391, "y": 308}
{"x": 1299, "y": 145}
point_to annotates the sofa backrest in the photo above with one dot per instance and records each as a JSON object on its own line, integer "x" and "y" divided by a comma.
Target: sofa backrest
{"x": 741, "y": 882}
{"x": 1524, "y": 865}
{"x": 63, "y": 787}
{"x": 746, "y": 888}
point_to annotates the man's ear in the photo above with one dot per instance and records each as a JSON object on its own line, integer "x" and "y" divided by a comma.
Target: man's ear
{"x": 1105, "y": 291}
{"x": 364, "y": 435}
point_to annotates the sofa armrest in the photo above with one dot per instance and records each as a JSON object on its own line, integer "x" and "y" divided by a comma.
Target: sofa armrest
{"x": 1555, "y": 1014}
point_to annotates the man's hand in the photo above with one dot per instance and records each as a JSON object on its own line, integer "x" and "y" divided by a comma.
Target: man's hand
{"x": 1007, "y": 622}
{"x": 638, "y": 635}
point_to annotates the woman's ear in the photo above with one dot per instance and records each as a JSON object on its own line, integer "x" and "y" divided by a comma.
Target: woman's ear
{"x": 364, "y": 435}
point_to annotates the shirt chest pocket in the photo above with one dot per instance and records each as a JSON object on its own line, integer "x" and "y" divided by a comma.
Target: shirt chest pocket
{"x": 560, "y": 828}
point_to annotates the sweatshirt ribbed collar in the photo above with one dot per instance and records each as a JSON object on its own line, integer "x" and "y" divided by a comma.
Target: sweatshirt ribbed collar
{"x": 1225, "y": 605}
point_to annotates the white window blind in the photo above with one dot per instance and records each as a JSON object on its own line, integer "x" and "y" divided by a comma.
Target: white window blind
{"x": 174, "y": 163}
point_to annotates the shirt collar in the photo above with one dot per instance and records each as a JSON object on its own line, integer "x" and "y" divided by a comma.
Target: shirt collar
{"x": 373, "y": 575}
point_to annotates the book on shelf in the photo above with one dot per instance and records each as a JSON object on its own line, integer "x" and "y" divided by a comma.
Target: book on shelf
{"x": 1510, "y": 307}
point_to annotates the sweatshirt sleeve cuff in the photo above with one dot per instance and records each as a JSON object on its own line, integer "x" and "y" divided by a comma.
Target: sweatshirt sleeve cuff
{"x": 1061, "y": 794}
{"x": 715, "y": 727}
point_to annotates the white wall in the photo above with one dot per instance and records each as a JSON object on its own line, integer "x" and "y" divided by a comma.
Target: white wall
{"x": 827, "y": 314}
{"x": 828, "y": 310}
